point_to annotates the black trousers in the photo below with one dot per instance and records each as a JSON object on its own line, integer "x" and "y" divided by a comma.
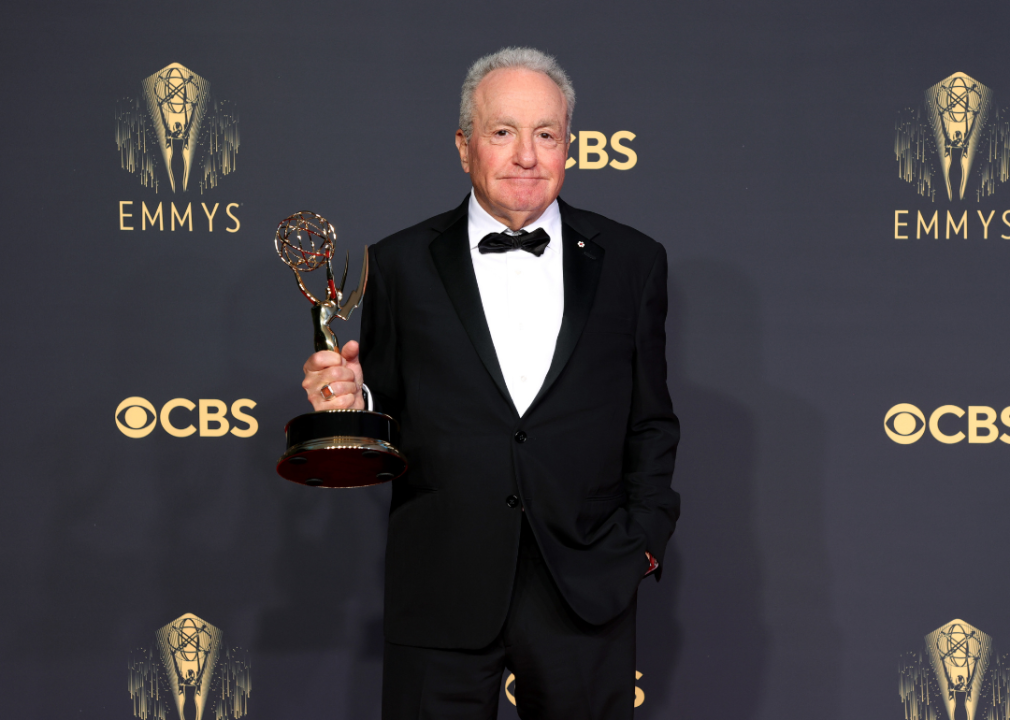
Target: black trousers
{"x": 565, "y": 668}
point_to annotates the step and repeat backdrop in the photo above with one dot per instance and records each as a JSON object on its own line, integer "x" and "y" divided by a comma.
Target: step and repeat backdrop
{"x": 830, "y": 184}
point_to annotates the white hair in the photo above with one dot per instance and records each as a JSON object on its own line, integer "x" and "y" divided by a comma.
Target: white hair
{"x": 519, "y": 58}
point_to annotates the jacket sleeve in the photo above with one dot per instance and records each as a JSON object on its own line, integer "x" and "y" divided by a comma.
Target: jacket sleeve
{"x": 650, "y": 447}
{"x": 379, "y": 350}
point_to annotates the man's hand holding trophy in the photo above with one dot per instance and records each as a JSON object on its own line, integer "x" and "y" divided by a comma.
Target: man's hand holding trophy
{"x": 342, "y": 444}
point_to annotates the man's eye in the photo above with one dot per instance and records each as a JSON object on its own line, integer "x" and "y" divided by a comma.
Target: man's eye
{"x": 502, "y": 133}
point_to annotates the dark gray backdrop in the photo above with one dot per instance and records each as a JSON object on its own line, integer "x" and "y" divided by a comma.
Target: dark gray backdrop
{"x": 812, "y": 551}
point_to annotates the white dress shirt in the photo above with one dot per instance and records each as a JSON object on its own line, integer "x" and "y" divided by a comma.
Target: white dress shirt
{"x": 524, "y": 299}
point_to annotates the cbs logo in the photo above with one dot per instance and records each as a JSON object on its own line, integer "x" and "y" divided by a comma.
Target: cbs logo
{"x": 136, "y": 418}
{"x": 510, "y": 686}
{"x": 905, "y": 424}
{"x": 593, "y": 153}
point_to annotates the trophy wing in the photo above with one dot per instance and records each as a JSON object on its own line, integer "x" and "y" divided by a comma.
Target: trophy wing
{"x": 148, "y": 685}
{"x": 920, "y": 693}
{"x": 915, "y": 151}
{"x": 353, "y": 299}
{"x": 219, "y": 142}
{"x": 994, "y": 692}
{"x": 994, "y": 153}
{"x": 139, "y": 147}
{"x": 231, "y": 685}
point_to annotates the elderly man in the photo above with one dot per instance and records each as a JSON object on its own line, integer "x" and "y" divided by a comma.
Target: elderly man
{"x": 520, "y": 342}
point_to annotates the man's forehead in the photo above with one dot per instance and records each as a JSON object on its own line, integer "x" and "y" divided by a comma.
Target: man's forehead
{"x": 520, "y": 97}
{"x": 517, "y": 84}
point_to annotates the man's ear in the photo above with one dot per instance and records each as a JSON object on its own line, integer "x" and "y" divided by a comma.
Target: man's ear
{"x": 464, "y": 150}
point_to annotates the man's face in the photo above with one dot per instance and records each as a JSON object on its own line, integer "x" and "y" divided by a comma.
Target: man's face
{"x": 517, "y": 152}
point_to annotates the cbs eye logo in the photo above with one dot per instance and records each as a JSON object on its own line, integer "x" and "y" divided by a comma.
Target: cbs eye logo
{"x": 136, "y": 417}
{"x": 905, "y": 424}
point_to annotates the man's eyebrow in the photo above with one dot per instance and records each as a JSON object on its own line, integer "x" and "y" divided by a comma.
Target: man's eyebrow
{"x": 511, "y": 122}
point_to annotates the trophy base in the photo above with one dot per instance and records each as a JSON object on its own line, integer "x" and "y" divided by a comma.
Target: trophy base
{"x": 341, "y": 449}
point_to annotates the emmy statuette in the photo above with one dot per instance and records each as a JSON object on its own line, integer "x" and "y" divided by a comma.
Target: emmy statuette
{"x": 332, "y": 448}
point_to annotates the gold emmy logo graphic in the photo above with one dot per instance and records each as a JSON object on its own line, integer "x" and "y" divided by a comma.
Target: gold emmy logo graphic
{"x": 956, "y": 143}
{"x": 176, "y": 131}
{"x": 187, "y": 667}
{"x": 955, "y": 675}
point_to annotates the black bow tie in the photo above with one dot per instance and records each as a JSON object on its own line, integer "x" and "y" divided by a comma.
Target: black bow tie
{"x": 532, "y": 242}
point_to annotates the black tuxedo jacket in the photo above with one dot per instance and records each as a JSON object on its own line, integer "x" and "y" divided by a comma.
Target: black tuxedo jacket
{"x": 589, "y": 463}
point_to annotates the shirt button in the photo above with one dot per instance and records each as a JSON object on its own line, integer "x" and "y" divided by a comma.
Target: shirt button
{"x": 520, "y": 437}
{"x": 523, "y": 378}
{"x": 511, "y": 501}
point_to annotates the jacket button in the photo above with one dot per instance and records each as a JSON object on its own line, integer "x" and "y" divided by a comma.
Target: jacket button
{"x": 511, "y": 501}
{"x": 520, "y": 437}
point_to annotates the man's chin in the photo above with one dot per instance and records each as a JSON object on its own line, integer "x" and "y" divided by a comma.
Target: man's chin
{"x": 523, "y": 202}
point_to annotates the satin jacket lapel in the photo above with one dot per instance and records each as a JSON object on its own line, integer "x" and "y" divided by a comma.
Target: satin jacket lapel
{"x": 582, "y": 266}
{"x": 450, "y": 252}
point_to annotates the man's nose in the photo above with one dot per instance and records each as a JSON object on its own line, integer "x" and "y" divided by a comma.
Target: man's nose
{"x": 526, "y": 154}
